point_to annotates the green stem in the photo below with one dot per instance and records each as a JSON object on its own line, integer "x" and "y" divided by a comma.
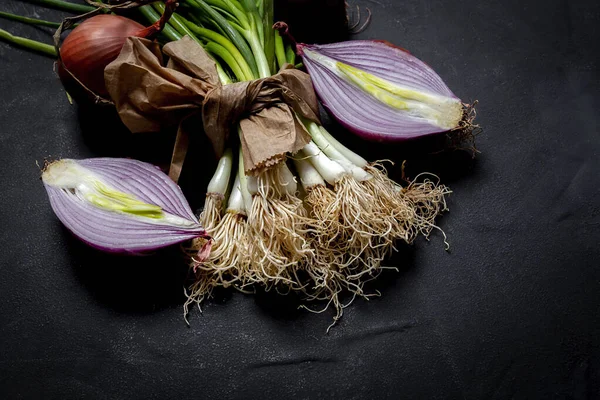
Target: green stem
{"x": 243, "y": 179}
{"x": 249, "y": 6}
{"x": 239, "y": 14}
{"x": 221, "y": 52}
{"x": 230, "y": 31}
{"x": 226, "y": 43}
{"x": 217, "y": 3}
{"x": 259, "y": 54}
{"x": 259, "y": 28}
{"x": 178, "y": 32}
{"x": 267, "y": 19}
{"x": 279, "y": 50}
{"x": 256, "y": 23}
{"x": 238, "y": 5}
{"x": 290, "y": 55}
{"x": 28, "y": 43}
{"x": 27, "y": 20}
{"x": 176, "y": 22}
{"x": 202, "y": 21}
{"x": 349, "y": 154}
{"x": 260, "y": 6}
{"x": 152, "y": 16}
{"x": 223, "y": 77}
{"x": 65, "y": 5}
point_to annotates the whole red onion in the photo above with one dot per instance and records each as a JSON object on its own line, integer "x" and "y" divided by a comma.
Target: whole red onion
{"x": 94, "y": 44}
{"x": 97, "y": 42}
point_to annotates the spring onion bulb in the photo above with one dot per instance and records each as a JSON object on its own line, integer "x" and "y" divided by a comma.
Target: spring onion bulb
{"x": 330, "y": 170}
{"x": 246, "y": 195}
{"x": 228, "y": 263}
{"x": 413, "y": 217}
{"x": 389, "y": 194}
{"x": 120, "y": 205}
{"x": 362, "y": 223}
{"x": 354, "y": 223}
{"x": 332, "y": 152}
{"x": 309, "y": 176}
{"x": 368, "y": 221}
{"x": 217, "y": 191}
{"x": 252, "y": 184}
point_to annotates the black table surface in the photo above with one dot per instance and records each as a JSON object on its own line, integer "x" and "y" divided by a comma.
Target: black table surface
{"x": 512, "y": 311}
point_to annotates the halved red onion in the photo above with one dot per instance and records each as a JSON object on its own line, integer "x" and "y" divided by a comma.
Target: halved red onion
{"x": 380, "y": 91}
{"x": 119, "y": 205}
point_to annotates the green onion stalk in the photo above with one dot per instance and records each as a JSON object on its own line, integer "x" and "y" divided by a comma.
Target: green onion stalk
{"x": 27, "y": 20}
{"x": 34, "y": 45}
{"x": 29, "y": 44}
{"x": 65, "y": 6}
{"x": 227, "y": 264}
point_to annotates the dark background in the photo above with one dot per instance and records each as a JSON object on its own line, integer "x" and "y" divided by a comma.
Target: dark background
{"x": 511, "y": 312}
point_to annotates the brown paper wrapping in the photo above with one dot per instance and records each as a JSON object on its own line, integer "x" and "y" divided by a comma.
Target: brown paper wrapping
{"x": 187, "y": 91}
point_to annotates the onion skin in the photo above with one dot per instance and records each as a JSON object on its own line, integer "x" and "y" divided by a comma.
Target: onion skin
{"x": 94, "y": 44}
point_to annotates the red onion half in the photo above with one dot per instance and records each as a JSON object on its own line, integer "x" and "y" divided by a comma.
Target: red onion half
{"x": 119, "y": 205}
{"x": 382, "y": 92}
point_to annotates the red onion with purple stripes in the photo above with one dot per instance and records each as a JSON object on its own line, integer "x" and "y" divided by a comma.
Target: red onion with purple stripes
{"x": 382, "y": 92}
{"x": 119, "y": 205}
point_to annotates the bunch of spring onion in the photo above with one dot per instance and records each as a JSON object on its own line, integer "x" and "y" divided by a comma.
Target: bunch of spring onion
{"x": 322, "y": 221}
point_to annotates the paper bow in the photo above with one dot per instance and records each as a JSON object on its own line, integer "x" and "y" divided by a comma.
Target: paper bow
{"x": 149, "y": 96}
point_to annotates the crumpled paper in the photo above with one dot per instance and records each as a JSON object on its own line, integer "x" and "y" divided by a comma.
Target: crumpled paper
{"x": 187, "y": 91}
